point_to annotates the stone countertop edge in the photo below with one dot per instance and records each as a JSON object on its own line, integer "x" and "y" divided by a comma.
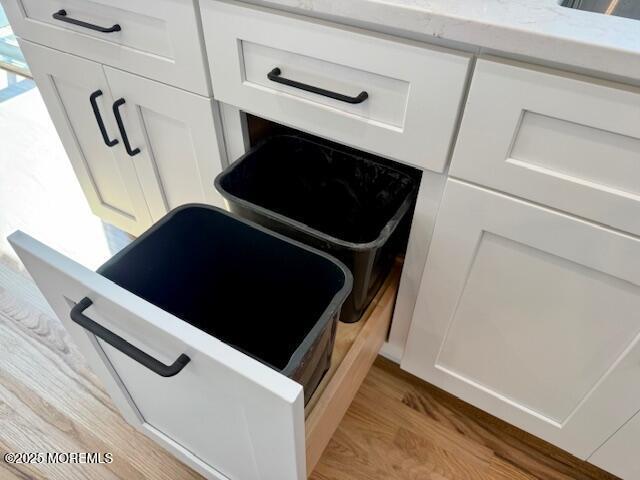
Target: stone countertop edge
{"x": 541, "y": 31}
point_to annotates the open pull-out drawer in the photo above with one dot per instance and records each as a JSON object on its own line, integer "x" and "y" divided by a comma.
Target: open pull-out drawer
{"x": 225, "y": 414}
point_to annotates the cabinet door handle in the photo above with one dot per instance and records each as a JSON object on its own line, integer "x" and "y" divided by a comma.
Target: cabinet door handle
{"x": 123, "y": 132}
{"x": 274, "y": 76}
{"x": 122, "y": 345}
{"x": 62, "y": 16}
{"x": 96, "y": 112}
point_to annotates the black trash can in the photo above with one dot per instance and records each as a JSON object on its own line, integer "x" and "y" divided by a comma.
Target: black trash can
{"x": 349, "y": 206}
{"x": 266, "y": 295}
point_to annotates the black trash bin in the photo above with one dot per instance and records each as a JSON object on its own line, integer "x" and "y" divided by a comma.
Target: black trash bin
{"x": 268, "y": 296}
{"x": 349, "y": 206}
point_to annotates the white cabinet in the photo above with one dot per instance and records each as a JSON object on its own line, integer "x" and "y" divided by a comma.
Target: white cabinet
{"x": 179, "y": 140}
{"x": 619, "y": 455}
{"x": 222, "y": 412}
{"x": 226, "y": 414}
{"x": 107, "y": 176}
{"x": 395, "y": 98}
{"x": 165, "y": 153}
{"x": 562, "y": 140}
{"x": 158, "y": 39}
{"x": 531, "y": 315}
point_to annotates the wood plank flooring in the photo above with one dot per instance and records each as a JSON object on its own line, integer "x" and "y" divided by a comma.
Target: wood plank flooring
{"x": 397, "y": 427}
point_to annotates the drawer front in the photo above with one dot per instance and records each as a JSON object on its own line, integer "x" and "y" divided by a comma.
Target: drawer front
{"x": 158, "y": 39}
{"x": 77, "y": 95}
{"x": 413, "y": 93}
{"x": 177, "y": 133}
{"x": 224, "y": 414}
{"x": 560, "y": 140}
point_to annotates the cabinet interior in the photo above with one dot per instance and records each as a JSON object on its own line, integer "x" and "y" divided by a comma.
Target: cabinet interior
{"x": 260, "y": 129}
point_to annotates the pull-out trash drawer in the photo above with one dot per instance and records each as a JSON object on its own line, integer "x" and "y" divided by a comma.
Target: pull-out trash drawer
{"x": 207, "y": 378}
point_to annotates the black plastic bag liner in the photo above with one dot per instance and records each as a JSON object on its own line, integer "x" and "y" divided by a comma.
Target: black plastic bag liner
{"x": 268, "y": 296}
{"x": 346, "y": 205}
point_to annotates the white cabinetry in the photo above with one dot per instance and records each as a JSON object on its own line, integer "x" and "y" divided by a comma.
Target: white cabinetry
{"x": 227, "y": 415}
{"x": 107, "y": 176}
{"x": 563, "y": 140}
{"x": 531, "y": 315}
{"x": 619, "y": 455}
{"x": 405, "y": 97}
{"x": 179, "y": 139}
{"x": 158, "y": 39}
{"x": 174, "y": 150}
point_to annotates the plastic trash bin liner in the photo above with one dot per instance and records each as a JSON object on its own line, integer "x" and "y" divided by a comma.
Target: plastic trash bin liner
{"x": 268, "y": 296}
{"x": 346, "y": 205}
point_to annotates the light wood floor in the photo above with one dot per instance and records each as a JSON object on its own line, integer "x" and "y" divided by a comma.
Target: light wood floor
{"x": 397, "y": 428}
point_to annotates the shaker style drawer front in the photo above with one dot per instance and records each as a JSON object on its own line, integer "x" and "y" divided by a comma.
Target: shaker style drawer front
{"x": 158, "y": 39}
{"x": 225, "y": 414}
{"x": 392, "y": 98}
{"x": 560, "y": 140}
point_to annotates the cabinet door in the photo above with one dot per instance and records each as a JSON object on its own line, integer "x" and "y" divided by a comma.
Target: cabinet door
{"x": 177, "y": 134}
{"x": 108, "y": 178}
{"x": 531, "y": 315}
{"x": 619, "y": 455}
{"x": 558, "y": 139}
{"x": 223, "y": 413}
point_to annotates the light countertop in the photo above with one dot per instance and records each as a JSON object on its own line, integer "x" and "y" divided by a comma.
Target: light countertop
{"x": 535, "y": 29}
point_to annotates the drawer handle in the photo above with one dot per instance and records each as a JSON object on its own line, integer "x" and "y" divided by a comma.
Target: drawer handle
{"x": 96, "y": 112}
{"x": 274, "y": 76}
{"x": 123, "y": 133}
{"x": 62, "y": 16}
{"x": 122, "y": 345}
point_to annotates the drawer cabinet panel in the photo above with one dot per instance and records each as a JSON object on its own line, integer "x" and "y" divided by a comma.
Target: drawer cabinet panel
{"x": 390, "y": 94}
{"x": 159, "y": 40}
{"x": 560, "y": 140}
{"x": 531, "y": 315}
{"x": 311, "y": 75}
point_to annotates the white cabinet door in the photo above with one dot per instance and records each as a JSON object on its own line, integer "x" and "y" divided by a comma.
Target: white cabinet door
{"x": 619, "y": 455}
{"x": 531, "y": 315}
{"x": 107, "y": 176}
{"x": 178, "y": 138}
{"x": 225, "y": 414}
{"x": 158, "y": 39}
{"x": 562, "y": 140}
